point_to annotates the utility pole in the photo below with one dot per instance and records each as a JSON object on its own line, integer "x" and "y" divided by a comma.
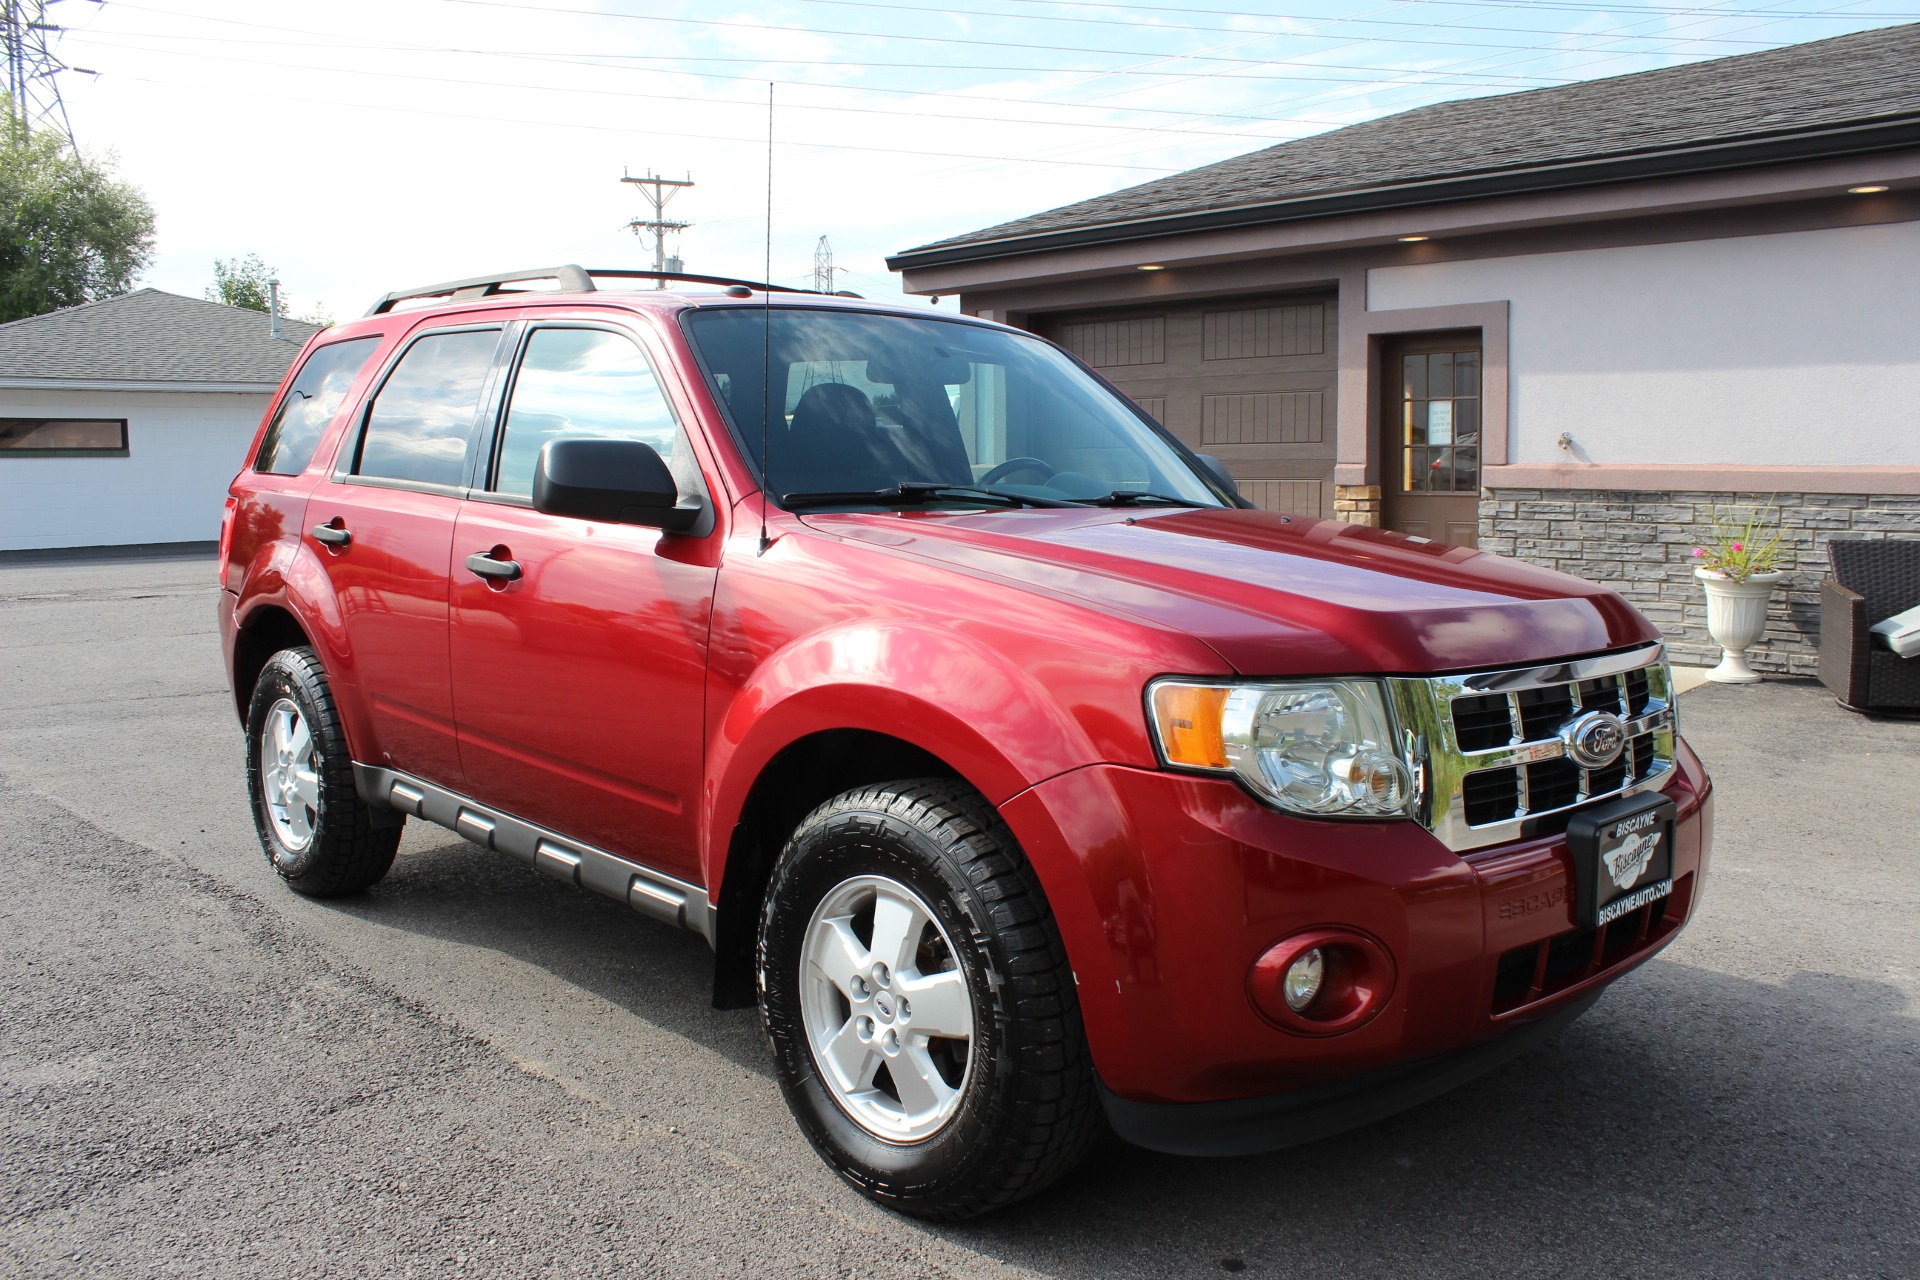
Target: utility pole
{"x": 657, "y": 192}
{"x": 823, "y": 267}
{"x": 32, "y": 88}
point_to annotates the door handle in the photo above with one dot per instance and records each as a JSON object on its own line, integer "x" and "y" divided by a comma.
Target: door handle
{"x": 331, "y": 534}
{"x": 486, "y": 566}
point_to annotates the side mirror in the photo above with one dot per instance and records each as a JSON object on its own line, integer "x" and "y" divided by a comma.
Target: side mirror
{"x": 623, "y": 481}
{"x": 1219, "y": 471}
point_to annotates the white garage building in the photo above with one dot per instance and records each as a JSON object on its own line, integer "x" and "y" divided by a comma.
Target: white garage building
{"x": 122, "y": 421}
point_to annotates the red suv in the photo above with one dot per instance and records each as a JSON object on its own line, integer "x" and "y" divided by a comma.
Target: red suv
{"x": 1027, "y": 778}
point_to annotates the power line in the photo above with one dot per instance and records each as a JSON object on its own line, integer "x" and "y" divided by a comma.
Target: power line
{"x": 33, "y": 85}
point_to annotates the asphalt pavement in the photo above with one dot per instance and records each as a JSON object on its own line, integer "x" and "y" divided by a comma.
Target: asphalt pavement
{"x": 475, "y": 1071}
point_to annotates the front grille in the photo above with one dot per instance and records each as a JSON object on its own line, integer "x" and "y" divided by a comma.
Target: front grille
{"x": 1496, "y": 751}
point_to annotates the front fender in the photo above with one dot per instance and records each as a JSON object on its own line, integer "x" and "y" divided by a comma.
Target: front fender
{"x": 941, "y": 691}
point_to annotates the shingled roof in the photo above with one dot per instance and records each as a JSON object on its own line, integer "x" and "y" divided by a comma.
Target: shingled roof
{"x": 1840, "y": 96}
{"x": 150, "y": 337}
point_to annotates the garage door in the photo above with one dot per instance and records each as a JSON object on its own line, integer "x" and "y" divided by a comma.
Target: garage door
{"x": 1250, "y": 381}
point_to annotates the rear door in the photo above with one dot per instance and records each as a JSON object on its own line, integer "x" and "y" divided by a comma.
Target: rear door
{"x": 383, "y": 526}
{"x": 579, "y": 683}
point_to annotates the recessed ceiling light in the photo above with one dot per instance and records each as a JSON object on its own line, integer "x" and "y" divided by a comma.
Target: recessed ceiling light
{"x": 1413, "y": 239}
{"x": 1870, "y": 190}
{"x": 1152, "y": 266}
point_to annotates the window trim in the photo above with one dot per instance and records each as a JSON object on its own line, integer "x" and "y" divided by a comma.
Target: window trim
{"x": 354, "y": 441}
{"x": 123, "y": 451}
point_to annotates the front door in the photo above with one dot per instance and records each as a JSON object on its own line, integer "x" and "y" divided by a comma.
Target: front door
{"x": 579, "y": 684}
{"x": 1430, "y": 438}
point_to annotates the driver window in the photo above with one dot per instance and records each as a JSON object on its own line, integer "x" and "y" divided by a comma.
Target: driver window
{"x": 586, "y": 383}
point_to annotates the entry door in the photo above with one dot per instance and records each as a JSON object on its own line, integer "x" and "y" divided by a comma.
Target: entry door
{"x": 384, "y": 527}
{"x": 1250, "y": 381}
{"x": 1430, "y": 438}
{"x": 578, "y": 685}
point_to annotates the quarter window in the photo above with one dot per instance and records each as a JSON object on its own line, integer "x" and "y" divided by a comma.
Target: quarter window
{"x": 311, "y": 402}
{"x": 422, "y": 420}
{"x": 63, "y": 438}
{"x": 588, "y": 383}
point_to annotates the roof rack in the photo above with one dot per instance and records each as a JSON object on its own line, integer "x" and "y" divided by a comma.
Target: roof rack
{"x": 572, "y": 279}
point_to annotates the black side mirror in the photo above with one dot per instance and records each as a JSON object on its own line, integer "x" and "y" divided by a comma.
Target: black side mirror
{"x": 624, "y": 481}
{"x": 1219, "y": 471}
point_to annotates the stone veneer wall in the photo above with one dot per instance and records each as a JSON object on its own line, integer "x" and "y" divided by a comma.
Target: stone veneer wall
{"x": 1641, "y": 544}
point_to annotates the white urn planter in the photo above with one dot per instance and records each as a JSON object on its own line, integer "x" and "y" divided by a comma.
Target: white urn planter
{"x": 1736, "y": 619}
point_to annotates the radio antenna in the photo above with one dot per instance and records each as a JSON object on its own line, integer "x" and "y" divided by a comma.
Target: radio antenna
{"x": 766, "y": 343}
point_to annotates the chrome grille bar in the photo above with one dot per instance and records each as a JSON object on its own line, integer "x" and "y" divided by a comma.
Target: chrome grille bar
{"x": 1426, "y": 712}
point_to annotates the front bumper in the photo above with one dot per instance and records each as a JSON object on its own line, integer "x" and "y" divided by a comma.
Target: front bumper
{"x": 1250, "y": 1126}
{"x": 1167, "y": 888}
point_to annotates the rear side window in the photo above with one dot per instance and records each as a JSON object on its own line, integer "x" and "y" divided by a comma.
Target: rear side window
{"x": 586, "y": 383}
{"x": 311, "y": 402}
{"x": 422, "y": 419}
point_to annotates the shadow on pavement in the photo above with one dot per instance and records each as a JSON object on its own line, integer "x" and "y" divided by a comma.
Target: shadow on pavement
{"x": 1693, "y": 1123}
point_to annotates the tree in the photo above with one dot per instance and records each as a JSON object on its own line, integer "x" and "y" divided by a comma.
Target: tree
{"x": 69, "y": 231}
{"x": 240, "y": 282}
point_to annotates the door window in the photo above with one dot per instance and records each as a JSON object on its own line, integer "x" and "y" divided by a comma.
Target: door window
{"x": 587, "y": 383}
{"x": 1440, "y": 422}
{"x": 311, "y": 402}
{"x": 422, "y": 421}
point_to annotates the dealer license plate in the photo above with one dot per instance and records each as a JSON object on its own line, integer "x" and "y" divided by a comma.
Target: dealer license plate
{"x": 1622, "y": 857}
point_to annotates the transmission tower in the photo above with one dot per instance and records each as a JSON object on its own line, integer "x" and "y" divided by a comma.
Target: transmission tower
{"x": 33, "y": 90}
{"x": 823, "y": 267}
{"x": 656, "y": 192}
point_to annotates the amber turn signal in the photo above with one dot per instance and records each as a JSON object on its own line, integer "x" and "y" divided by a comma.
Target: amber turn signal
{"x": 1188, "y": 718}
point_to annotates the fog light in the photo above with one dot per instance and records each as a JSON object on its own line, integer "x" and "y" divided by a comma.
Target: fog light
{"x": 1303, "y": 979}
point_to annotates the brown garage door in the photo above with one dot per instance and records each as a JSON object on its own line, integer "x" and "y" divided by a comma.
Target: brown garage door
{"x": 1250, "y": 381}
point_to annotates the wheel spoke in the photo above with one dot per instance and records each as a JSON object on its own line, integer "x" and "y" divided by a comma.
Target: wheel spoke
{"x": 282, "y": 732}
{"x": 853, "y": 1062}
{"x": 921, "y": 1088}
{"x": 897, "y": 926}
{"x": 837, "y": 955}
{"x": 300, "y": 739}
{"x": 306, "y": 786}
{"x": 940, "y": 1005}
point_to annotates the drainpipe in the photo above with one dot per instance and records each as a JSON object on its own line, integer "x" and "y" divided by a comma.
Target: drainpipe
{"x": 273, "y": 308}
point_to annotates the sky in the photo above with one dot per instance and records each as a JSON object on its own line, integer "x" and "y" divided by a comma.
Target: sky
{"x": 360, "y": 146}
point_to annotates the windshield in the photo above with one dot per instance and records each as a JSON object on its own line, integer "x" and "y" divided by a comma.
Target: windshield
{"x": 864, "y": 403}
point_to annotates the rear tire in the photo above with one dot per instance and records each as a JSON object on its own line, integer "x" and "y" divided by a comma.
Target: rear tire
{"x": 974, "y": 1090}
{"x": 316, "y": 831}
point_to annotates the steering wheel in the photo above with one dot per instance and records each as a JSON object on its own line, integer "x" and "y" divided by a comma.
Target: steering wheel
{"x": 1012, "y": 465}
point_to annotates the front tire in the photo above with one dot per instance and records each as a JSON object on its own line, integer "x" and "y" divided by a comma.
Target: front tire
{"x": 316, "y": 831}
{"x": 920, "y": 1005}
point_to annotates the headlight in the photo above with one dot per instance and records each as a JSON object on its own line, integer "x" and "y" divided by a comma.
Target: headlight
{"x": 1320, "y": 747}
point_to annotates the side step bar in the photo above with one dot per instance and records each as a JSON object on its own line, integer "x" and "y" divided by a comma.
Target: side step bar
{"x": 648, "y": 892}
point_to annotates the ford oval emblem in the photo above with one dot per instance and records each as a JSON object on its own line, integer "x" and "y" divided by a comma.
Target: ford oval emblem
{"x": 1594, "y": 739}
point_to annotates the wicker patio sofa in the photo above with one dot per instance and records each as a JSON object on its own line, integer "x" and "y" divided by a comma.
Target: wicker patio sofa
{"x": 1871, "y": 581}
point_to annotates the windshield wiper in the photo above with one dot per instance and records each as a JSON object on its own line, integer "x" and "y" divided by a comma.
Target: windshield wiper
{"x": 1134, "y": 497}
{"x": 919, "y": 491}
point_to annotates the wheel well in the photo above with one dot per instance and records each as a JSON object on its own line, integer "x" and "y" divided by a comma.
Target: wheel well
{"x": 267, "y": 632}
{"x": 803, "y": 776}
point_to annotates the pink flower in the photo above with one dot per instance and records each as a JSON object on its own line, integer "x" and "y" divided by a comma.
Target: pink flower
{"x": 1737, "y": 548}
{"x": 1699, "y": 551}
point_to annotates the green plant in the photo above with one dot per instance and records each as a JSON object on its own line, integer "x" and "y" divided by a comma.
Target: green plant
{"x": 69, "y": 231}
{"x": 1737, "y": 549}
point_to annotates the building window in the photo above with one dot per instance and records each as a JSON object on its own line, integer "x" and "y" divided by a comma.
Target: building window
{"x": 1440, "y": 422}
{"x": 63, "y": 437}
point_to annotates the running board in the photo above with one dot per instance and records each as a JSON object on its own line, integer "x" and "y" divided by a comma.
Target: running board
{"x": 648, "y": 892}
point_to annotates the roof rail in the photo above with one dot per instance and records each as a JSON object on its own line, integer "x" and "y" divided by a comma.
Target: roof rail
{"x": 571, "y": 278}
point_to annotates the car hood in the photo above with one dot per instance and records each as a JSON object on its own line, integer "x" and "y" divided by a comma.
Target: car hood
{"x": 1275, "y": 594}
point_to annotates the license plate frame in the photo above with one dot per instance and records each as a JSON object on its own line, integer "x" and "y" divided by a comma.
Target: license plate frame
{"x": 1622, "y": 857}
